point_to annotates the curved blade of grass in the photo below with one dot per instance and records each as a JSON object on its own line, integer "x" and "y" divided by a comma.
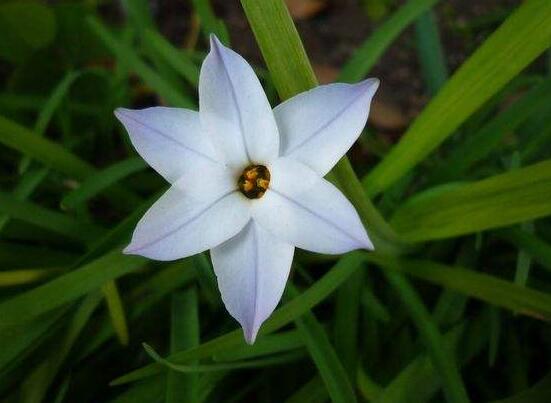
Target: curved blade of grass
{"x": 482, "y": 286}
{"x": 538, "y": 393}
{"x": 346, "y": 322}
{"x": 441, "y": 356}
{"x": 49, "y": 108}
{"x": 261, "y": 362}
{"x": 478, "y": 145}
{"x": 128, "y": 57}
{"x": 19, "y": 341}
{"x": 281, "y": 317}
{"x": 102, "y": 180}
{"x": 184, "y": 334}
{"x": 374, "y": 306}
{"x": 176, "y": 58}
{"x": 34, "y": 387}
{"x": 9, "y": 278}
{"x": 27, "y": 305}
{"x": 39, "y": 148}
{"x": 514, "y": 45}
{"x": 51, "y": 154}
{"x": 22, "y": 256}
{"x": 210, "y": 24}
{"x": 268, "y": 344}
{"x": 535, "y": 246}
{"x": 115, "y": 236}
{"x": 430, "y": 52}
{"x": 48, "y": 219}
{"x": 150, "y": 390}
{"x": 365, "y": 57}
{"x": 420, "y": 378}
{"x": 141, "y": 300}
{"x": 28, "y": 183}
{"x": 501, "y": 200}
{"x": 313, "y": 391}
{"x": 324, "y": 356}
{"x": 116, "y": 311}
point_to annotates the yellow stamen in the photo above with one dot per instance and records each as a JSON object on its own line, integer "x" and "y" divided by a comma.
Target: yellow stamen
{"x": 254, "y": 181}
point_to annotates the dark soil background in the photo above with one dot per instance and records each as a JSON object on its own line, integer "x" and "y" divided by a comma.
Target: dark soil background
{"x": 338, "y": 27}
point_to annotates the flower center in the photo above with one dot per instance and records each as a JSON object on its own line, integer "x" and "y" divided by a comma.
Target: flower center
{"x": 254, "y": 181}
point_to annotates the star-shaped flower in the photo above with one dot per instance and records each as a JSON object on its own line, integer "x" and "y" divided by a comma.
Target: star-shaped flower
{"x": 247, "y": 181}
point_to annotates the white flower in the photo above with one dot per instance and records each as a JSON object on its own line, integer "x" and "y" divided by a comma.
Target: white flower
{"x": 247, "y": 181}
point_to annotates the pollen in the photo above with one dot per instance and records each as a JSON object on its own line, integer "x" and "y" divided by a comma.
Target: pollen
{"x": 254, "y": 181}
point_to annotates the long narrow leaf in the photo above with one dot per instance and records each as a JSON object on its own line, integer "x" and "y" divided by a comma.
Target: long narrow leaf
{"x": 514, "y": 45}
{"x": 499, "y": 201}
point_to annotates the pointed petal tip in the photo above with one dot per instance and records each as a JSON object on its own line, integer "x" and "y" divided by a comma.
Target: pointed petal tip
{"x": 370, "y": 84}
{"x": 122, "y": 113}
{"x": 214, "y": 41}
{"x": 368, "y": 246}
{"x": 250, "y": 335}
{"x": 129, "y": 250}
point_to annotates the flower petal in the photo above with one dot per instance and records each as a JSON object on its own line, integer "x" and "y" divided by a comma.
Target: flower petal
{"x": 252, "y": 269}
{"x": 290, "y": 176}
{"x": 169, "y": 139}
{"x": 208, "y": 182}
{"x": 234, "y": 109}
{"x": 177, "y": 225}
{"x": 320, "y": 219}
{"x": 319, "y": 126}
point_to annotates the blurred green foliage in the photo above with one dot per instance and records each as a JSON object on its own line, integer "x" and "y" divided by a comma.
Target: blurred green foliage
{"x": 453, "y": 305}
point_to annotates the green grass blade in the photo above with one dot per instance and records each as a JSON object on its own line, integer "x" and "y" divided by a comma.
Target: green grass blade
{"x": 441, "y": 356}
{"x": 313, "y": 391}
{"x": 116, "y": 311}
{"x": 26, "y": 186}
{"x": 347, "y": 317}
{"x": 41, "y": 149}
{"x": 10, "y": 278}
{"x": 48, "y": 219}
{"x": 139, "y": 13}
{"x": 367, "y": 387}
{"x": 374, "y": 306}
{"x": 188, "y": 369}
{"x": 324, "y": 356}
{"x": 142, "y": 299}
{"x": 525, "y": 34}
{"x": 419, "y": 378}
{"x": 502, "y": 200}
{"x": 281, "y": 46}
{"x": 102, "y": 181}
{"x": 175, "y": 58}
{"x": 148, "y": 391}
{"x": 50, "y": 154}
{"x": 18, "y": 341}
{"x": 35, "y": 386}
{"x": 210, "y": 24}
{"x": 479, "y": 145}
{"x": 268, "y": 344}
{"x": 128, "y": 57}
{"x": 184, "y": 334}
{"x": 66, "y": 288}
{"x": 538, "y": 393}
{"x": 524, "y": 260}
{"x": 281, "y": 317}
{"x": 535, "y": 246}
{"x": 372, "y": 49}
{"x": 430, "y": 52}
{"x": 49, "y": 108}
{"x": 482, "y": 286}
